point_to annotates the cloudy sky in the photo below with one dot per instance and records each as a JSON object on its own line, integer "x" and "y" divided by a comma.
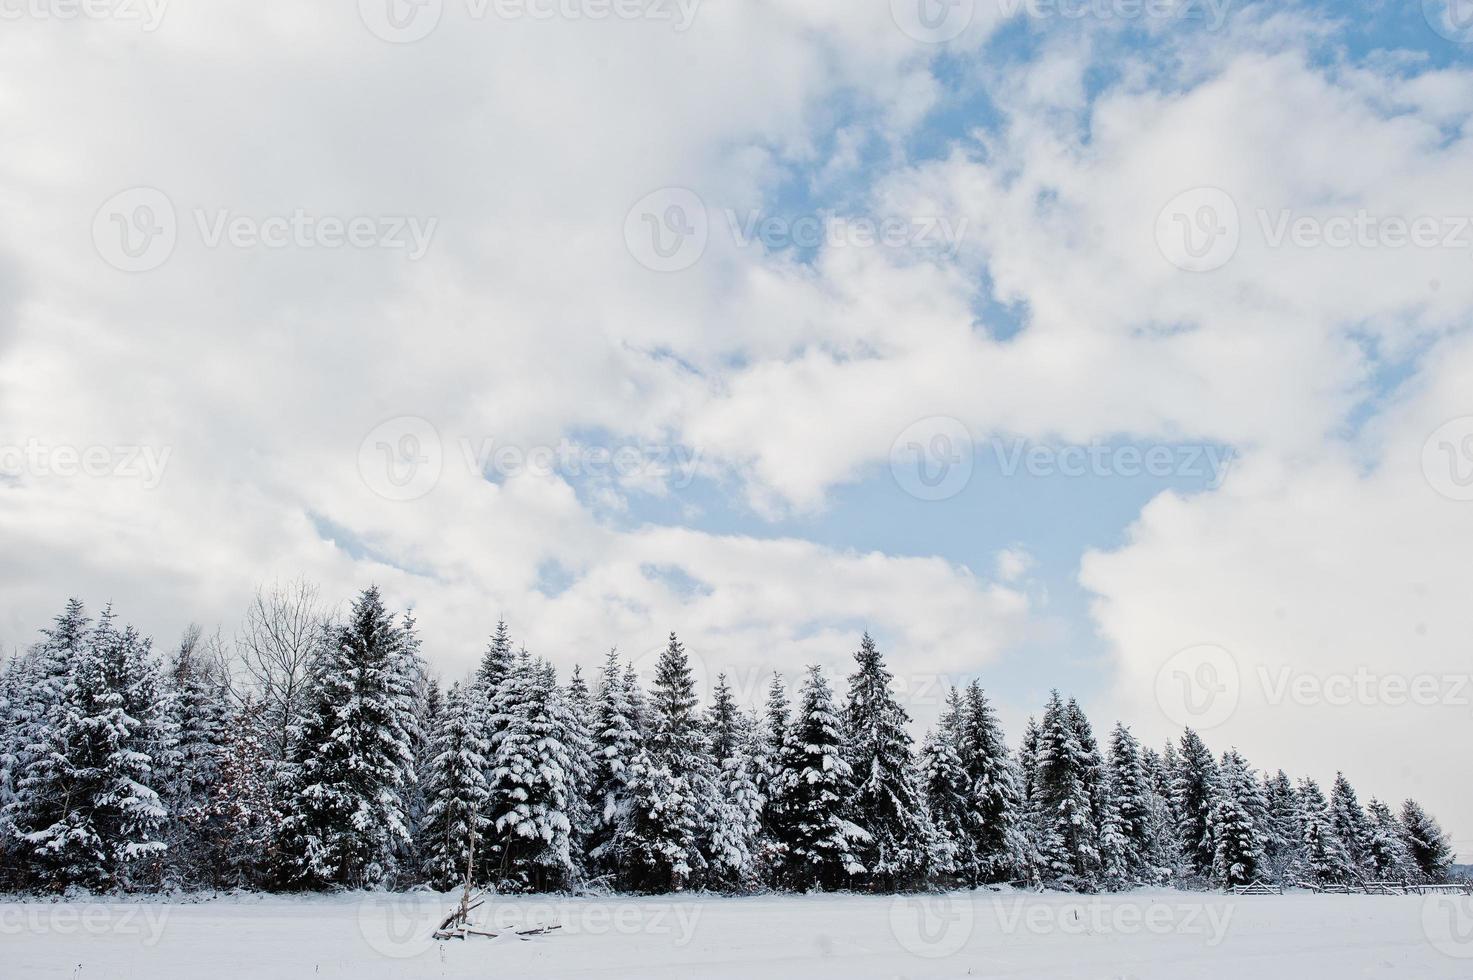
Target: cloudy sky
{"x": 1115, "y": 345}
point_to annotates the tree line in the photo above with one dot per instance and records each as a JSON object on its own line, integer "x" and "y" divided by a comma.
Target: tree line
{"x": 321, "y": 754}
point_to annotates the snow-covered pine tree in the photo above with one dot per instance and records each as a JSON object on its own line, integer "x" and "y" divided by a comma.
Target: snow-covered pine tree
{"x": 196, "y": 710}
{"x": 1429, "y": 845}
{"x": 533, "y": 779}
{"x": 1350, "y": 822}
{"x": 736, "y": 850}
{"x": 1283, "y": 834}
{"x": 949, "y": 794}
{"x": 581, "y": 749}
{"x": 888, "y": 801}
{"x": 945, "y": 785}
{"x": 1238, "y": 854}
{"x": 734, "y": 845}
{"x": 353, "y": 759}
{"x": 1035, "y": 822}
{"x": 496, "y": 662}
{"x": 1390, "y": 859}
{"x": 1070, "y": 851}
{"x": 1115, "y": 852}
{"x": 674, "y": 797}
{"x": 768, "y": 734}
{"x": 410, "y": 685}
{"x": 723, "y": 721}
{"x": 87, "y": 809}
{"x": 455, "y": 789}
{"x": 814, "y": 790}
{"x": 12, "y": 683}
{"x": 1193, "y": 793}
{"x": 1130, "y": 789}
{"x": 1001, "y": 846}
{"x": 617, "y": 743}
{"x": 1325, "y": 857}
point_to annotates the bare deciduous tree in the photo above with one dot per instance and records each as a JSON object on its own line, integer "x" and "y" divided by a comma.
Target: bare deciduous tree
{"x": 283, "y": 630}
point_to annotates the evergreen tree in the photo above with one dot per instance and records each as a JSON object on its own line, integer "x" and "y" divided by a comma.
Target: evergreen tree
{"x": 945, "y": 784}
{"x": 346, "y": 813}
{"x": 196, "y": 713}
{"x": 1193, "y": 793}
{"x": 617, "y": 744}
{"x": 1389, "y": 857}
{"x": 580, "y": 742}
{"x": 1425, "y": 840}
{"x": 456, "y": 789}
{"x": 86, "y": 808}
{"x": 1130, "y": 789}
{"x": 1283, "y": 833}
{"x": 813, "y": 814}
{"x": 1351, "y": 824}
{"x": 1068, "y": 819}
{"x": 1325, "y": 859}
{"x": 723, "y": 721}
{"x": 1238, "y": 855}
{"x": 736, "y": 846}
{"x": 496, "y": 662}
{"x": 888, "y": 802}
{"x": 534, "y": 779}
{"x": 949, "y": 794}
{"x": 1000, "y": 844}
{"x": 1034, "y": 819}
{"x": 677, "y": 784}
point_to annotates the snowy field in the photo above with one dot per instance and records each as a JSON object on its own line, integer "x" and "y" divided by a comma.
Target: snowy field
{"x": 1140, "y": 936}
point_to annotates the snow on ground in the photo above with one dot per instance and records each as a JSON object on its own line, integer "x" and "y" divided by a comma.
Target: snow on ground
{"x": 1140, "y": 936}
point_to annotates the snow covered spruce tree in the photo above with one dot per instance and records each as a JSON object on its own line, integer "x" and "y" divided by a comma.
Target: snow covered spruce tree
{"x": 1350, "y": 822}
{"x": 345, "y": 804}
{"x": 1193, "y": 793}
{"x": 1325, "y": 859}
{"x": 1389, "y": 857}
{"x": 86, "y": 805}
{"x": 1283, "y": 833}
{"x": 196, "y": 709}
{"x": 736, "y": 824}
{"x": 1237, "y": 820}
{"x": 813, "y": 814}
{"x": 1426, "y": 841}
{"x": 673, "y": 792}
{"x": 888, "y": 801}
{"x": 616, "y": 744}
{"x": 949, "y": 795}
{"x": 534, "y": 779}
{"x": 456, "y": 817}
{"x": 1130, "y": 791}
{"x": 1070, "y": 848}
{"x": 1000, "y": 846}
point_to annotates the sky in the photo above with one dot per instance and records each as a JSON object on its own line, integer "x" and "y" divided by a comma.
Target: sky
{"x": 1118, "y": 346}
